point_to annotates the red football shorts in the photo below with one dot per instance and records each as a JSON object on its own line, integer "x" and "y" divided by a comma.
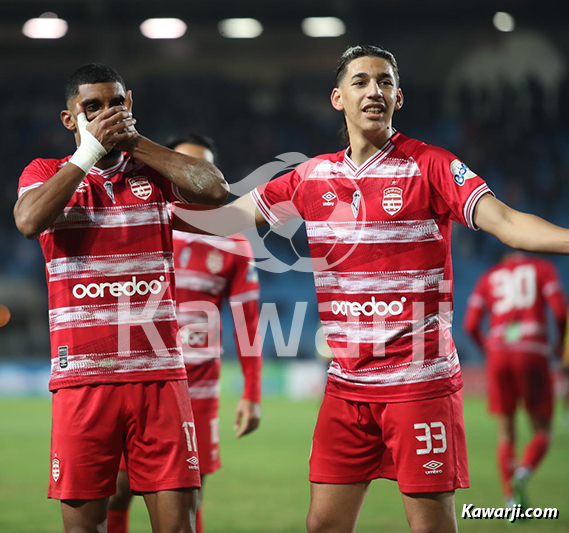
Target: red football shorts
{"x": 519, "y": 376}
{"x": 92, "y": 425}
{"x": 206, "y": 417}
{"x": 420, "y": 444}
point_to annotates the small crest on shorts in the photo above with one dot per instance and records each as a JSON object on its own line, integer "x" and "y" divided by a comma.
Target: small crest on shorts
{"x": 356, "y": 199}
{"x": 214, "y": 262}
{"x": 392, "y": 200}
{"x": 63, "y": 353}
{"x": 55, "y": 470}
{"x": 140, "y": 187}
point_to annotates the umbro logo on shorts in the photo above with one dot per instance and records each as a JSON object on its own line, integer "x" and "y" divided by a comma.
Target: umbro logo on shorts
{"x": 433, "y": 467}
{"x": 193, "y": 463}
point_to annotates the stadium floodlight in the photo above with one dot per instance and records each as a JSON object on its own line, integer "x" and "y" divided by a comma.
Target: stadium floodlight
{"x": 242, "y": 28}
{"x": 504, "y": 21}
{"x": 323, "y": 27}
{"x": 163, "y": 28}
{"x": 46, "y": 26}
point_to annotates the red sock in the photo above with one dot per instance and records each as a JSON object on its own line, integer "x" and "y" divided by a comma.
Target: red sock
{"x": 117, "y": 521}
{"x": 506, "y": 464}
{"x": 199, "y": 522}
{"x": 535, "y": 451}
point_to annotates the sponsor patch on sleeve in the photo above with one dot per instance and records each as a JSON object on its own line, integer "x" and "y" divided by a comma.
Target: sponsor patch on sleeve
{"x": 460, "y": 172}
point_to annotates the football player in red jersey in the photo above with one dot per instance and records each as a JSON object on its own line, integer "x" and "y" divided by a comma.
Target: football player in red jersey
{"x": 515, "y": 294}
{"x": 205, "y": 274}
{"x": 103, "y": 218}
{"x": 378, "y": 218}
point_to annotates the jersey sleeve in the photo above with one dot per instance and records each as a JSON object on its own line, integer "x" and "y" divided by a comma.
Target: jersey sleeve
{"x": 244, "y": 290}
{"x": 281, "y": 199}
{"x": 456, "y": 188}
{"x": 36, "y": 174}
{"x": 476, "y": 307}
{"x": 554, "y": 295}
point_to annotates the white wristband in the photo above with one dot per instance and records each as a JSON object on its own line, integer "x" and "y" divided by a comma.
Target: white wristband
{"x": 90, "y": 149}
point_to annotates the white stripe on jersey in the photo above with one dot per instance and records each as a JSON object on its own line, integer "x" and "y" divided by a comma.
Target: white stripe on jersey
{"x": 245, "y": 296}
{"x": 264, "y": 209}
{"x": 110, "y": 265}
{"x": 195, "y": 356}
{"x": 112, "y": 217}
{"x": 204, "y": 389}
{"x": 383, "y": 331}
{"x": 403, "y": 374}
{"x": 195, "y": 280}
{"x": 526, "y": 328}
{"x": 30, "y": 187}
{"x": 121, "y": 362}
{"x": 393, "y": 168}
{"x": 372, "y": 232}
{"x": 86, "y": 316}
{"x": 470, "y": 204}
{"x": 378, "y": 282}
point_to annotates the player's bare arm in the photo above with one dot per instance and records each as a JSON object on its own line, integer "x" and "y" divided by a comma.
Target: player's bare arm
{"x": 37, "y": 209}
{"x": 247, "y": 417}
{"x": 240, "y": 215}
{"x": 198, "y": 181}
{"x": 518, "y": 230}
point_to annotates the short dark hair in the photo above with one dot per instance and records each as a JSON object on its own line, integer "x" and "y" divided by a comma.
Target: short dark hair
{"x": 366, "y": 50}
{"x": 89, "y": 74}
{"x": 355, "y": 52}
{"x": 193, "y": 138}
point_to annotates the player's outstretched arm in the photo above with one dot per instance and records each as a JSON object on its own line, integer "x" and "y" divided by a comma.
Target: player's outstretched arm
{"x": 227, "y": 220}
{"x": 521, "y": 231}
{"x": 37, "y": 209}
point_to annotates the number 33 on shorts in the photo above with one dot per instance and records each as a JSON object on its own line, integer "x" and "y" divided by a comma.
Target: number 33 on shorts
{"x": 435, "y": 431}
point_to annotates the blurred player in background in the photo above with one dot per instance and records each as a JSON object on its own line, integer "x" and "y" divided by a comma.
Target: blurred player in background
{"x": 515, "y": 294}
{"x": 378, "y": 217}
{"x": 208, "y": 273}
{"x": 103, "y": 218}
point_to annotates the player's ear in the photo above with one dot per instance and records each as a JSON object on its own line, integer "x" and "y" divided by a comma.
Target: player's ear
{"x": 68, "y": 120}
{"x": 399, "y": 100}
{"x": 336, "y": 99}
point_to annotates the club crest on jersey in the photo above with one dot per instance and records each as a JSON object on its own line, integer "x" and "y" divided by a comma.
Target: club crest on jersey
{"x": 392, "y": 200}
{"x": 329, "y": 198}
{"x": 214, "y": 262}
{"x": 140, "y": 187}
{"x": 460, "y": 172}
{"x": 356, "y": 199}
{"x": 55, "y": 470}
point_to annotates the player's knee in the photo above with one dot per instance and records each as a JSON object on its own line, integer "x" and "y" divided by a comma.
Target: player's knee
{"x": 321, "y": 523}
{"x": 441, "y": 525}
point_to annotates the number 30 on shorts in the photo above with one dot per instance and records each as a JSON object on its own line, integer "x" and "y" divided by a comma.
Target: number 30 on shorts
{"x": 434, "y": 432}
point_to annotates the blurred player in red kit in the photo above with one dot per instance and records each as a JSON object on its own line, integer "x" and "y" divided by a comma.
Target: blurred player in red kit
{"x": 205, "y": 274}
{"x": 515, "y": 294}
{"x": 378, "y": 218}
{"x": 104, "y": 221}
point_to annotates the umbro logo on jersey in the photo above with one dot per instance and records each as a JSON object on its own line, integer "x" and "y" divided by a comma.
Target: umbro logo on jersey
{"x": 140, "y": 187}
{"x": 82, "y": 187}
{"x": 433, "y": 467}
{"x": 370, "y": 308}
{"x": 329, "y": 198}
{"x": 392, "y": 200}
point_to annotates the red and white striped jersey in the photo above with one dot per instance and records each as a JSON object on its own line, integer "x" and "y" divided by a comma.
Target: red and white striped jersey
{"x": 516, "y": 293}
{"x": 379, "y": 237}
{"x": 110, "y": 276}
{"x": 209, "y": 269}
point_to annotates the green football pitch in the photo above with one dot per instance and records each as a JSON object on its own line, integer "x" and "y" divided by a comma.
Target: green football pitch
{"x": 263, "y": 485}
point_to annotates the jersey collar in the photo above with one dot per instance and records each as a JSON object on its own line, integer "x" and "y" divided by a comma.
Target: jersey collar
{"x": 372, "y": 160}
